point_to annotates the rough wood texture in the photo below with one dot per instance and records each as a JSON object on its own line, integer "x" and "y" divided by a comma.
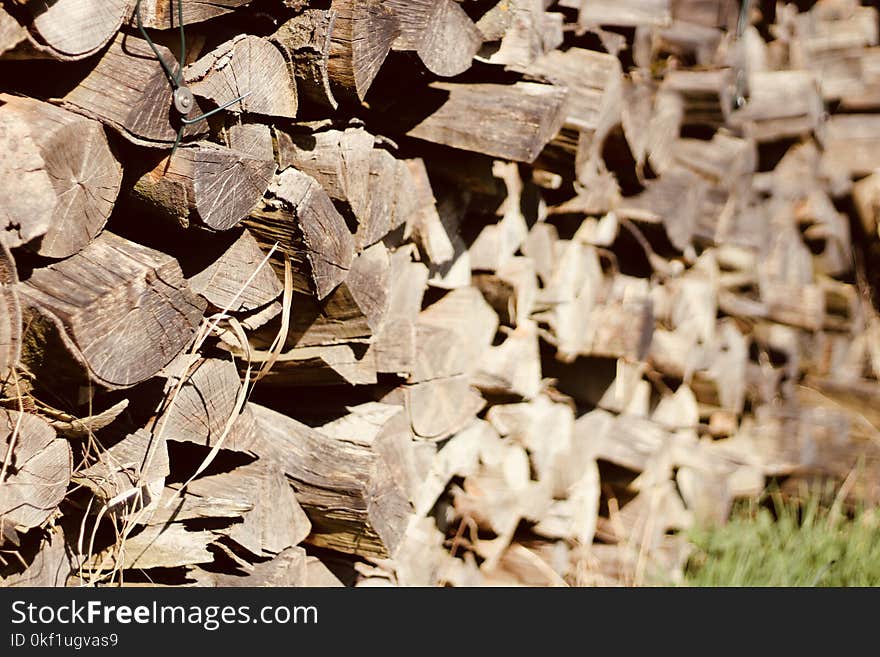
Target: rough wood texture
{"x": 466, "y": 118}
{"x": 36, "y": 470}
{"x": 127, "y": 90}
{"x": 245, "y": 65}
{"x": 360, "y": 41}
{"x": 342, "y": 477}
{"x": 162, "y": 15}
{"x": 83, "y": 176}
{"x": 305, "y": 41}
{"x": 66, "y": 29}
{"x": 299, "y": 215}
{"x": 440, "y": 32}
{"x": 121, "y": 310}
{"x": 206, "y": 184}
{"x": 10, "y": 314}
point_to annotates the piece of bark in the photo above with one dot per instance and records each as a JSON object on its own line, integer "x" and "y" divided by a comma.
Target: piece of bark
{"x": 79, "y": 177}
{"x": 305, "y": 40}
{"x": 467, "y": 119}
{"x": 298, "y": 214}
{"x": 162, "y": 15}
{"x": 119, "y": 309}
{"x": 360, "y": 42}
{"x": 206, "y": 184}
{"x": 127, "y": 89}
{"x": 345, "y": 485}
{"x": 245, "y": 65}
{"x": 439, "y": 31}
{"x": 36, "y": 470}
{"x": 67, "y": 30}
{"x": 10, "y": 314}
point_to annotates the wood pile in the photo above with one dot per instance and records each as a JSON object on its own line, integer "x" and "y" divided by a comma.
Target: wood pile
{"x": 447, "y": 292}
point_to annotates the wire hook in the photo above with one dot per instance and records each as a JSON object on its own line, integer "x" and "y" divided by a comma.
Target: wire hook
{"x": 182, "y": 97}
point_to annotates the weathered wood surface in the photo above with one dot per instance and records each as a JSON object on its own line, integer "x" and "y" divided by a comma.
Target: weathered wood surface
{"x": 460, "y": 293}
{"x": 120, "y": 310}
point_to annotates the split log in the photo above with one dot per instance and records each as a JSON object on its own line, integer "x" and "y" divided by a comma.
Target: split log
{"x": 781, "y": 104}
{"x": 305, "y": 41}
{"x": 237, "y": 281}
{"x": 361, "y": 39}
{"x": 162, "y": 15}
{"x": 466, "y": 119}
{"x": 439, "y": 31}
{"x": 376, "y": 186}
{"x": 851, "y": 144}
{"x": 593, "y": 106}
{"x": 10, "y": 314}
{"x": 245, "y": 66}
{"x": 206, "y": 184}
{"x": 395, "y": 343}
{"x": 342, "y": 476}
{"x": 299, "y": 215}
{"x": 67, "y": 29}
{"x": 127, "y": 478}
{"x": 116, "y": 308}
{"x": 50, "y": 567}
{"x": 127, "y": 89}
{"x": 630, "y": 13}
{"x": 200, "y": 405}
{"x": 36, "y": 470}
{"x": 66, "y": 193}
{"x": 519, "y": 32}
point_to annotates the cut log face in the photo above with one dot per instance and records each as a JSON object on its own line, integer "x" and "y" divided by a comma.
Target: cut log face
{"x": 36, "y": 470}
{"x": 85, "y": 177}
{"x": 129, "y": 91}
{"x": 238, "y": 280}
{"x": 207, "y": 185}
{"x": 360, "y": 42}
{"x": 440, "y": 31}
{"x": 67, "y": 29}
{"x": 247, "y": 65}
{"x": 121, "y": 310}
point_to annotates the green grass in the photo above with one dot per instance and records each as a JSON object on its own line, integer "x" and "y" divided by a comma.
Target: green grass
{"x": 779, "y": 543}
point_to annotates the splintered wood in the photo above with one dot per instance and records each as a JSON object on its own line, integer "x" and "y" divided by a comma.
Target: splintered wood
{"x": 443, "y": 293}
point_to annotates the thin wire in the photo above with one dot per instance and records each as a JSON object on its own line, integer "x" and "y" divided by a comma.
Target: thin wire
{"x": 140, "y": 24}
{"x": 739, "y": 95}
{"x": 182, "y": 42}
{"x": 204, "y": 116}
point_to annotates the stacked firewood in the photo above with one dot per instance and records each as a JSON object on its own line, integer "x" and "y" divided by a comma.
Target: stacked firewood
{"x": 442, "y": 292}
